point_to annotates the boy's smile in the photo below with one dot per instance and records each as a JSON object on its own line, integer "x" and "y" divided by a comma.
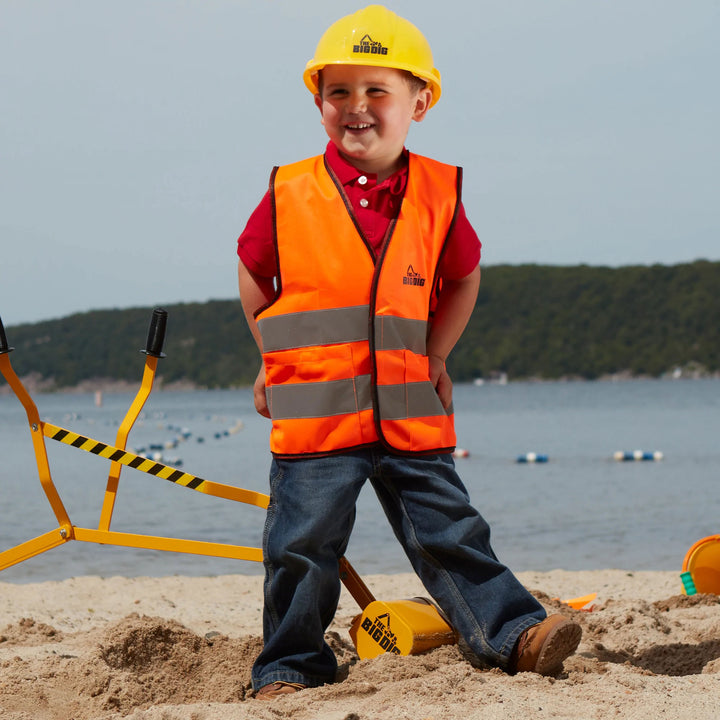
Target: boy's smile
{"x": 367, "y": 111}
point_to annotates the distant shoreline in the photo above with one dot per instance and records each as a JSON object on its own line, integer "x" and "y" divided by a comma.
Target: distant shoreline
{"x": 40, "y": 386}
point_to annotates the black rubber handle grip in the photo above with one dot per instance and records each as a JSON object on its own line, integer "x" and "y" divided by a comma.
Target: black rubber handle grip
{"x": 4, "y": 349}
{"x": 156, "y": 333}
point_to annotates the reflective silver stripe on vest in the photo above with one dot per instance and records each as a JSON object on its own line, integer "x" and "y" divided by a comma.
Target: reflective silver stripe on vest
{"x": 343, "y": 397}
{"x": 319, "y": 399}
{"x": 419, "y": 399}
{"x": 341, "y": 325}
{"x": 315, "y": 327}
{"x": 395, "y": 333}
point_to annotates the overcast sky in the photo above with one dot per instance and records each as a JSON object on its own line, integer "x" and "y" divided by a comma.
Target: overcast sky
{"x": 136, "y": 136}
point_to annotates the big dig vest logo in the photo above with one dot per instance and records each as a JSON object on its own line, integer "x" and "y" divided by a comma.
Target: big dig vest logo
{"x": 369, "y": 47}
{"x": 413, "y": 278}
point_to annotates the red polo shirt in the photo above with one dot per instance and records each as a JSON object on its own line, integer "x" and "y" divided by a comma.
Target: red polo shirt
{"x": 374, "y": 205}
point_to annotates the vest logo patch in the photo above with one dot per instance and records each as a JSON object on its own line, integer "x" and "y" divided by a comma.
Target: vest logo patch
{"x": 413, "y": 278}
{"x": 368, "y": 46}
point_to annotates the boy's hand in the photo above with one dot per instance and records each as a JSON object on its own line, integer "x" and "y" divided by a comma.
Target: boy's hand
{"x": 441, "y": 380}
{"x": 259, "y": 393}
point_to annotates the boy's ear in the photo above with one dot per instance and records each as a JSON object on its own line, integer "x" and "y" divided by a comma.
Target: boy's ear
{"x": 318, "y": 105}
{"x": 422, "y": 104}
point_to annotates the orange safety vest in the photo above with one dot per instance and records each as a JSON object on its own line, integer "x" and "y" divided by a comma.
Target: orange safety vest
{"x": 344, "y": 340}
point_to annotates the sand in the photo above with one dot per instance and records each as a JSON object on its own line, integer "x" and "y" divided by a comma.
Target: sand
{"x": 181, "y": 648}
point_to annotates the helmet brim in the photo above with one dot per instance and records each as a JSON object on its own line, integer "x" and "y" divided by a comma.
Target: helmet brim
{"x": 313, "y": 68}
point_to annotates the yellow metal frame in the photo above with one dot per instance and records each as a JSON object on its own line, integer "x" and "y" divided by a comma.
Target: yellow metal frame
{"x": 405, "y": 627}
{"x": 118, "y": 456}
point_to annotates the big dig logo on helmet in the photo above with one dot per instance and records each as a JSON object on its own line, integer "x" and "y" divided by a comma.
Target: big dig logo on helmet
{"x": 368, "y": 46}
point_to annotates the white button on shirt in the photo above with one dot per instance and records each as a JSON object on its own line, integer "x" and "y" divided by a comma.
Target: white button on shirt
{"x": 362, "y": 180}
{"x": 363, "y": 202}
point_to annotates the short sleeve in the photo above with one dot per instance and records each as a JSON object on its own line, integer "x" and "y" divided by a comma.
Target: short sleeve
{"x": 462, "y": 253}
{"x": 255, "y": 246}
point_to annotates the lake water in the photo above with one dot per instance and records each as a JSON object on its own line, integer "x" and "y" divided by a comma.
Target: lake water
{"x": 580, "y": 510}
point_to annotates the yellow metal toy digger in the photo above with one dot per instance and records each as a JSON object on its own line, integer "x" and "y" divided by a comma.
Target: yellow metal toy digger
{"x": 404, "y": 627}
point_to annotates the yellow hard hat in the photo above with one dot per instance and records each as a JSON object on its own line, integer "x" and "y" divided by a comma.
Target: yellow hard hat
{"x": 375, "y": 36}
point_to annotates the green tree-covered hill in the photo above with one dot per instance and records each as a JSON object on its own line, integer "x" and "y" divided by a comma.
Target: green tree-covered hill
{"x": 551, "y": 322}
{"x": 529, "y": 321}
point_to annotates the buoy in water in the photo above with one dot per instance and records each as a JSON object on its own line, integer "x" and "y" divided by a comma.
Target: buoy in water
{"x": 237, "y": 427}
{"x": 532, "y": 457}
{"x": 461, "y": 453}
{"x": 158, "y": 457}
{"x": 635, "y": 455}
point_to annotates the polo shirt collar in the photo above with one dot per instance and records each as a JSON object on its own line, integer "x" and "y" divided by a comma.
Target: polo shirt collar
{"x": 347, "y": 173}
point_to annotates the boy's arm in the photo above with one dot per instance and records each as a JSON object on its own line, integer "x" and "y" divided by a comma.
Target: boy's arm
{"x": 255, "y": 291}
{"x": 455, "y": 305}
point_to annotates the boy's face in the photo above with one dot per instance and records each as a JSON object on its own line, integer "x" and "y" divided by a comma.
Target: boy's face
{"x": 367, "y": 111}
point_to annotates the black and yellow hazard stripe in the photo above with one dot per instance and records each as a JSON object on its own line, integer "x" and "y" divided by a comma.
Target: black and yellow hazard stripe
{"x": 123, "y": 457}
{"x": 138, "y": 462}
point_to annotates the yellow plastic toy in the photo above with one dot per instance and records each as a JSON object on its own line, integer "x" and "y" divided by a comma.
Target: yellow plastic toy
{"x": 581, "y": 603}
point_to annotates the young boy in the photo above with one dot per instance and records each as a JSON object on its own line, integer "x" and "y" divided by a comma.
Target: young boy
{"x": 358, "y": 273}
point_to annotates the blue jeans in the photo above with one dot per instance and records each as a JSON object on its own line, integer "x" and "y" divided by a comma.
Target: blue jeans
{"x": 308, "y": 525}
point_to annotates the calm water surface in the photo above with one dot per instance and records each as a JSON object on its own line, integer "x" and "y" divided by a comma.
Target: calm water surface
{"x": 580, "y": 510}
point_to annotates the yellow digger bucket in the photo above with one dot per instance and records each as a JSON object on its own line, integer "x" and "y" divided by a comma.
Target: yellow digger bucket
{"x": 402, "y": 627}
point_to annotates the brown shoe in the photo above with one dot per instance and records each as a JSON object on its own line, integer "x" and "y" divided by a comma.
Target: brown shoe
{"x": 276, "y": 689}
{"x": 542, "y": 648}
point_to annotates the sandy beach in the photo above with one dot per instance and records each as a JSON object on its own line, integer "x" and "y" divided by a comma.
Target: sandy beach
{"x": 179, "y": 648}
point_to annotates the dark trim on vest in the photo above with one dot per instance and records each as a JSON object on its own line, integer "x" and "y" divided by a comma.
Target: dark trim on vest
{"x": 458, "y": 201}
{"x": 329, "y": 453}
{"x": 371, "y": 331}
{"x": 360, "y": 448}
{"x": 273, "y": 212}
{"x": 373, "y": 312}
{"x": 378, "y": 262}
{"x": 348, "y": 206}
